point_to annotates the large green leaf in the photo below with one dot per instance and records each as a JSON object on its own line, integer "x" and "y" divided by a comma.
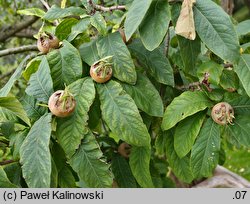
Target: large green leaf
{"x": 12, "y": 105}
{"x": 4, "y": 181}
{"x": 240, "y": 104}
{"x": 135, "y": 15}
{"x": 32, "y": 12}
{"x": 205, "y": 152}
{"x": 121, "y": 114}
{"x": 33, "y": 110}
{"x": 56, "y": 12}
{"x": 112, "y": 45}
{"x": 141, "y": 92}
{"x": 183, "y": 106}
{"x": 180, "y": 166}
{"x": 139, "y": 163}
{"x": 98, "y": 21}
{"x": 122, "y": 172}
{"x": 35, "y": 154}
{"x": 89, "y": 165}
{"x": 216, "y": 30}
{"x": 71, "y": 130}
{"x": 78, "y": 28}
{"x": 31, "y": 67}
{"x": 186, "y": 133}
{"x": 155, "y": 24}
{"x": 239, "y": 131}
{"x": 66, "y": 178}
{"x": 243, "y": 28}
{"x": 40, "y": 84}
{"x": 63, "y": 30}
{"x": 89, "y": 52}
{"x": 15, "y": 76}
{"x": 243, "y": 71}
{"x": 65, "y": 65}
{"x": 189, "y": 49}
{"x": 155, "y": 62}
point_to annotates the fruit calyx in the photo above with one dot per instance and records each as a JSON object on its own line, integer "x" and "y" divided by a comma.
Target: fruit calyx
{"x": 223, "y": 113}
{"x": 62, "y": 103}
{"x": 101, "y": 71}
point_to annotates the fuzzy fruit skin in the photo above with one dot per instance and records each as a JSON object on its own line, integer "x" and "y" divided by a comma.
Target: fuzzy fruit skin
{"x": 98, "y": 79}
{"x": 222, "y": 113}
{"x": 56, "y": 106}
{"x": 45, "y": 43}
{"x": 124, "y": 150}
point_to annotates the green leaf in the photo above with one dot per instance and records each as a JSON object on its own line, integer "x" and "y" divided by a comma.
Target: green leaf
{"x": 56, "y": 12}
{"x": 53, "y": 175}
{"x": 155, "y": 62}
{"x": 70, "y": 130}
{"x": 239, "y": 131}
{"x": 139, "y": 163}
{"x": 99, "y": 23}
{"x": 213, "y": 69}
{"x": 122, "y": 172}
{"x": 243, "y": 71}
{"x": 205, "y": 152}
{"x": 16, "y": 141}
{"x": 78, "y": 28}
{"x": 180, "y": 166}
{"x": 141, "y": 92}
{"x": 243, "y": 28}
{"x": 229, "y": 80}
{"x": 188, "y": 103}
{"x": 12, "y": 105}
{"x": 65, "y": 65}
{"x": 89, "y": 52}
{"x": 33, "y": 110}
{"x": 135, "y": 15}
{"x": 63, "y": 30}
{"x": 189, "y": 50}
{"x": 89, "y": 165}
{"x": 32, "y": 12}
{"x": 31, "y": 67}
{"x": 155, "y": 24}
{"x": 186, "y": 133}
{"x": 15, "y": 76}
{"x": 35, "y": 154}
{"x": 40, "y": 84}
{"x": 218, "y": 34}
{"x": 4, "y": 181}
{"x": 66, "y": 178}
{"x": 121, "y": 114}
{"x": 14, "y": 173}
{"x": 112, "y": 45}
{"x": 241, "y": 105}
{"x": 160, "y": 143}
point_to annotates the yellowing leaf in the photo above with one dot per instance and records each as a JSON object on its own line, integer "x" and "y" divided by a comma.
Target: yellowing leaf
{"x": 185, "y": 23}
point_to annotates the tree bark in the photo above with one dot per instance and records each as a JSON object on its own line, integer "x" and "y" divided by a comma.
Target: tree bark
{"x": 228, "y": 6}
{"x": 18, "y": 50}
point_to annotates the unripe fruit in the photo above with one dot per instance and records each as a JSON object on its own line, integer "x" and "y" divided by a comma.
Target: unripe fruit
{"x": 101, "y": 71}
{"x": 62, "y": 103}
{"x": 223, "y": 113}
{"x": 124, "y": 149}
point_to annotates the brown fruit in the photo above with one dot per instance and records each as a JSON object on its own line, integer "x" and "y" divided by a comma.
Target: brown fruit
{"x": 222, "y": 113}
{"x": 101, "y": 71}
{"x": 62, "y": 103}
{"x": 46, "y": 42}
{"x": 124, "y": 149}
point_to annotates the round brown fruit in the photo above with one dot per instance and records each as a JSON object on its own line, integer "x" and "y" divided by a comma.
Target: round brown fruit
{"x": 46, "y": 42}
{"x": 223, "y": 113}
{"x": 62, "y": 103}
{"x": 124, "y": 149}
{"x": 101, "y": 71}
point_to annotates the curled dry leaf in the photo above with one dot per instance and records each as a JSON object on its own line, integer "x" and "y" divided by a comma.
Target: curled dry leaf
{"x": 185, "y": 23}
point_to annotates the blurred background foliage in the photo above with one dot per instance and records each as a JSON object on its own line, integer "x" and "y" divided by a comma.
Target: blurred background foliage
{"x": 238, "y": 160}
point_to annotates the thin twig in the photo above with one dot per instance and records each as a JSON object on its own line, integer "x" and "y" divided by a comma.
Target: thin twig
{"x": 7, "y": 162}
{"x": 46, "y": 5}
{"x": 106, "y": 9}
{"x": 18, "y": 50}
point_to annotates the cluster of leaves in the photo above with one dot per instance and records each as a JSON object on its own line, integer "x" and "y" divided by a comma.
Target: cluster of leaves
{"x": 148, "y": 73}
